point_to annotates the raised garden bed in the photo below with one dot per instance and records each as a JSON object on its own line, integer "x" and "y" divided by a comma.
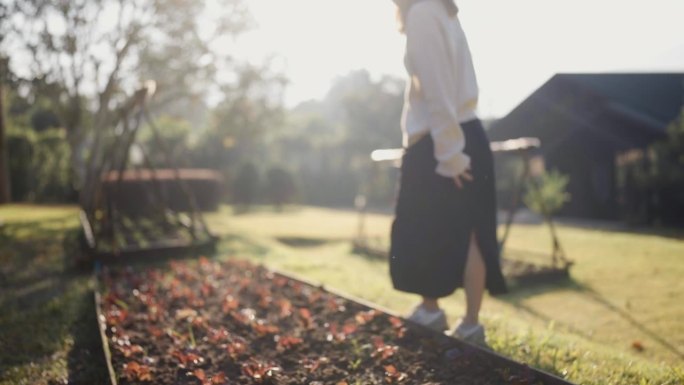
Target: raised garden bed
{"x": 206, "y": 322}
{"x": 127, "y": 239}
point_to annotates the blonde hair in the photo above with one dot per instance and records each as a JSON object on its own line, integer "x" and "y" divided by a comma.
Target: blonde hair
{"x": 449, "y": 5}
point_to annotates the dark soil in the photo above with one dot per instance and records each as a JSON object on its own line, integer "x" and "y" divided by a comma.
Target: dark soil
{"x": 234, "y": 323}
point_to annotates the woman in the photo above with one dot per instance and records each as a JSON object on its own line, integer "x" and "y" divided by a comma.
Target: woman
{"x": 444, "y": 232}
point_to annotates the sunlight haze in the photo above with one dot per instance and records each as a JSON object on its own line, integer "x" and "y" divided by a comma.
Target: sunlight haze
{"x": 516, "y": 45}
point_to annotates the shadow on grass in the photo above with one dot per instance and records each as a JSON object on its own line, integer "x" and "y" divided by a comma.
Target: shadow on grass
{"x": 302, "y": 242}
{"x": 599, "y": 299}
{"x": 372, "y": 251}
{"x": 668, "y": 233}
{"x": 59, "y": 325}
{"x": 230, "y": 245}
{"x": 620, "y": 227}
{"x": 47, "y": 306}
{"x": 36, "y": 268}
{"x": 86, "y": 362}
{"x": 519, "y": 294}
{"x": 257, "y": 209}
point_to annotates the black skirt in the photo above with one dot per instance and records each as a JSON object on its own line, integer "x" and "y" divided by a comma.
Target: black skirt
{"x": 434, "y": 220}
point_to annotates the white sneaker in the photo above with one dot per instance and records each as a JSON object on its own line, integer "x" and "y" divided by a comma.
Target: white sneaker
{"x": 435, "y": 320}
{"x": 470, "y": 333}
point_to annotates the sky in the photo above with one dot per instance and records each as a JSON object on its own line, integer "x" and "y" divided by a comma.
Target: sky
{"x": 516, "y": 45}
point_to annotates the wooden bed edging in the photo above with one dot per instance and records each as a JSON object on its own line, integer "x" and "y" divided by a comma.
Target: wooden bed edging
{"x": 102, "y": 328}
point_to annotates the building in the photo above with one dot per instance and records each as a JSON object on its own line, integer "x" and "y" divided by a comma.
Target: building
{"x": 586, "y": 122}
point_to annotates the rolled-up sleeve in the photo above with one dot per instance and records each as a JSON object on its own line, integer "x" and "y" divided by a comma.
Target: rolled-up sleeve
{"x": 428, "y": 54}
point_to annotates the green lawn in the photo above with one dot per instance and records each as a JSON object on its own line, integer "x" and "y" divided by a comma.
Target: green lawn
{"x": 48, "y": 332}
{"x": 626, "y": 290}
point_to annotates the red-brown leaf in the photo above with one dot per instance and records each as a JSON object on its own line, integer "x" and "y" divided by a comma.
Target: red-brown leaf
{"x": 349, "y": 328}
{"x": 258, "y": 370}
{"x": 187, "y": 358}
{"x": 364, "y": 317}
{"x": 205, "y": 263}
{"x": 137, "y": 372}
{"x": 335, "y": 304}
{"x": 392, "y": 375}
{"x": 155, "y": 331}
{"x": 219, "y": 379}
{"x": 115, "y": 316}
{"x": 262, "y": 329}
{"x": 229, "y": 304}
{"x": 235, "y": 349}
{"x": 199, "y": 373}
{"x": 306, "y": 316}
{"x": 396, "y": 322}
{"x": 285, "y": 307}
{"x": 218, "y": 335}
{"x": 288, "y": 342}
{"x": 206, "y": 289}
{"x": 129, "y": 350}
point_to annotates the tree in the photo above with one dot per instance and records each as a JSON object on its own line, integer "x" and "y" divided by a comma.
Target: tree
{"x": 5, "y": 189}
{"x": 93, "y": 53}
{"x": 245, "y": 186}
{"x": 173, "y": 137}
{"x": 281, "y": 187}
{"x": 251, "y": 108}
{"x": 329, "y": 142}
{"x": 5, "y": 196}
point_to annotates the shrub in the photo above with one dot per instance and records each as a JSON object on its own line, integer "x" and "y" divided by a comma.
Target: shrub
{"x": 51, "y": 166}
{"x": 20, "y": 150}
{"x": 667, "y": 174}
{"x": 653, "y": 180}
{"x": 550, "y": 193}
{"x": 39, "y": 165}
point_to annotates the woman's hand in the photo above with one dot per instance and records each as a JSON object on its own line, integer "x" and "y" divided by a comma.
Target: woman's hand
{"x": 465, "y": 176}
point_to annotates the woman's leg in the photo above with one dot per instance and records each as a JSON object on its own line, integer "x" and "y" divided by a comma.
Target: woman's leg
{"x": 430, "y": 304}
{"x": 474, "y": 282}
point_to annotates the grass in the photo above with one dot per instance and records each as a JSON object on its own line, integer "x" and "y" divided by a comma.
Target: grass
{"x": 626, "y": 290}
{"x": 625, "y": 293}
{"x": 48, "y": 332}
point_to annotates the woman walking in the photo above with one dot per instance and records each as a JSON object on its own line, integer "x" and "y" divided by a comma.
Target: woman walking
{"x": 444, "y": 231}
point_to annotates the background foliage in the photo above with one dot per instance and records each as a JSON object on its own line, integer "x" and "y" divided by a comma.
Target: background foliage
{"x": 547, "y": 193}
{"x": 653, "y": 182}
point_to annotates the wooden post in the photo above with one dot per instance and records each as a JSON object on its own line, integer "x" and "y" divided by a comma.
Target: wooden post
{"x": 5, "y": 193}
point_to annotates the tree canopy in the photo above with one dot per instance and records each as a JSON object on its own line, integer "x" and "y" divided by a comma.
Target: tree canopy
{"x": 87, "y": 56}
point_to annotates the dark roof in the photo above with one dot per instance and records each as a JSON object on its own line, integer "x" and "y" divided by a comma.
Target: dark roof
{"x": 626, "y": 110}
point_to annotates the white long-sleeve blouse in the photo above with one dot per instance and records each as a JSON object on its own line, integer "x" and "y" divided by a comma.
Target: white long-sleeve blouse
{"x": 442, "y": 90}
